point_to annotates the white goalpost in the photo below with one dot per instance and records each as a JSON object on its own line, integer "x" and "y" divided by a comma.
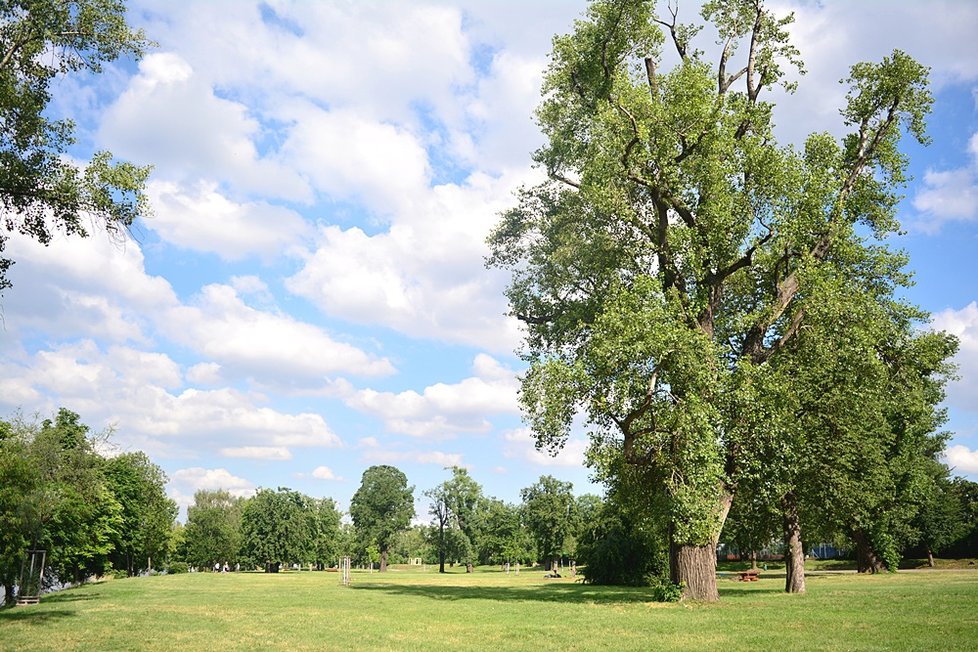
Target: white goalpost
{"x": 345, "y": 571}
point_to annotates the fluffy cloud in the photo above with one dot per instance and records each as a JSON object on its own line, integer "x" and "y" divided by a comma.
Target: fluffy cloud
{"x": 440, "y": 409}
{"x": 520, "y": 444}
{"x": 949, "y": 194}
{"x": 258, "y": 452}
{"x": 185, "y": 482}
{"x": 377, "y": 456}
{"x": 324, "y": 473}
{"x": 202, "y": 219}
{"x": 264, "y": 345}
{"x": 963, "y": 324}
{"x": 173, "y": 118}
{"x": 962, "y": 459}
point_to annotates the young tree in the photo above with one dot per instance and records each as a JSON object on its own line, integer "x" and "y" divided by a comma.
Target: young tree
{"x": 382, "y": 507}
{"x": 675, "y": 245}
{"x": 41, "y": 190}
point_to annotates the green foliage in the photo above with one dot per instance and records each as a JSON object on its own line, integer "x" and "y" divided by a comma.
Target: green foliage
{"x": 177, "y": 567}
{"x": 278, "y": 527}
{"x": 677, "y": 252}
{"x": 147, "y": 514}
{"x": 549, "y": 511}
{"x": 382, "y": 507}
{"x": 619, "y": 548}
{"x": 213, "y": 533}
{"x": 41, "y": 190}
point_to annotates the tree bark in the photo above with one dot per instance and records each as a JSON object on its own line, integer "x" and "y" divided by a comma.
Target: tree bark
{"x": 930, "y": 558}
{"x": 794, "y": 551}
{"x": 383, "y": 561}
{"x": 695, "y": 569}
{"x": 753, "y": 560}
{"x": 8, "y": 594}
{"x": 866, "y": 559}
{"x": 694, "y": 566}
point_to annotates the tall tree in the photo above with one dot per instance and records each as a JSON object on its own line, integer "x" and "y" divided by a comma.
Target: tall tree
{"x": 382, "y": 507}
{"x": 676, "y": 244}
{"x": 41, "y": 190}
{"x": 549, "y": 509}
{"x": 213, "y": 533}
{"x": 147, "y": 514}
{"x": 278, "y": 526}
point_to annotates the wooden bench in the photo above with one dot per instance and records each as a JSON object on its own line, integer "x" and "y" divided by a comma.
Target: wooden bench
{"x": 749, "y": 575}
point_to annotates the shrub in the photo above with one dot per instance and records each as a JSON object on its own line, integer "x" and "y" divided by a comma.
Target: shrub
{"x": 176, "y": 567}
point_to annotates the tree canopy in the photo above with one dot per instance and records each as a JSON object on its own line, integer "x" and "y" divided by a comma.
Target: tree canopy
{"x": 382, "y": 507}
{"x": 677, "y": 250}
{"x": 42, "y": 191}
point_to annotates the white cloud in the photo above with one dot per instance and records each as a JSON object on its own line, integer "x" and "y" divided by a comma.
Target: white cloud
{"x": 383, "y": 456}
{"x": 204, "y": 373}
{"x": 324, "y": 473}
{"x": 423, "y": 277}
{"x": 270, "y": 347}
{"x": 962, "y": 459}
{"x": 949, "y": 194}
{"x": 202, "y": 219}
{"x": 963, "y": 324}
{"x": 520, "y": 444}
{"x": 258, "y": 452}
{"x": 172, "y": 117}
{"x": 185, "y": 482}
{"x": 441, "y": 409}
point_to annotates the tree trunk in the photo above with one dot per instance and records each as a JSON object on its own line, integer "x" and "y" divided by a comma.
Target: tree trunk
{"x": 694, "y": 567}
{"x": 794, "y": 551}
{"x": 383, "y": 561}
{"x": 866, "y": 559}
{"x": 753, "y": 560}
{"x": 930, "y": 557}
{"x": 8, "y": 594}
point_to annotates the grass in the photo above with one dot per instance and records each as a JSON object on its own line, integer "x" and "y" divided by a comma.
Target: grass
{"x": 414, "y": 610}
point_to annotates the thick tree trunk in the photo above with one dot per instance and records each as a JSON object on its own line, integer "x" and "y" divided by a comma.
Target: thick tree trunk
{"x": 383, "y": 561}
{"x": 866, "y": 559}
{"x": 753, "y": 560}
{"x": 794, "y": 551}
{"x": 8, "y": 594}
{"x": 930, "y": 558}
{"x": 694, "y": 567}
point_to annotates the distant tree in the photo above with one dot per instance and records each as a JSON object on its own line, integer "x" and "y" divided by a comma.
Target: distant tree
{"x": 147, "y": 514}
{"x": 278, "y": 526}
{"x": 503, "y": 536}
{"x": 549, "y": 513}
{"x": 19, "y": 483}
{"x": 456, "y": 503}
{"x": 382, "y": 507}
{"x": 940, "y": 519}
{"x": 41, "y": 190}
{"x": 326, "y": 537}
{"x": 966, "y": 544}
{"x": 213, "y": 533}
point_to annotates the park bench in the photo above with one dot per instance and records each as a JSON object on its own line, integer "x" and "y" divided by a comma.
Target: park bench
{"x": 749, "y": 575}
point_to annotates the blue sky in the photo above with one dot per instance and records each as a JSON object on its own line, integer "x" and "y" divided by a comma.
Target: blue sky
{"x": 309, "y": 296}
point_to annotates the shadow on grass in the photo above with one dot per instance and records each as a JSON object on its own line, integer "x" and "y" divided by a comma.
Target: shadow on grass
{"x": 33, "y": 614}
{"x": 578, "y": 593}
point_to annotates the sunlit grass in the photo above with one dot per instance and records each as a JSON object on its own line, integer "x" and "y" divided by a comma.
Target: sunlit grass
{"x": 414, "y": 610}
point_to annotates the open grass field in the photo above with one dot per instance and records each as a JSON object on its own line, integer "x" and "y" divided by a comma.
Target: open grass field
{"x": 491, "y": 610}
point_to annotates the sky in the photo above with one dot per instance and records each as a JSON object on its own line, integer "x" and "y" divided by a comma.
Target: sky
{"x": 309, "y": 296}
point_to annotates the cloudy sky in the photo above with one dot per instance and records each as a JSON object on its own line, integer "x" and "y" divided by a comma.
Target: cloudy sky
{"x": 309, "y": 296}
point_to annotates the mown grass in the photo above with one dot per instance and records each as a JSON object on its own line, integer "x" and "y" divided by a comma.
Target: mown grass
{"x": 405, "y": 610}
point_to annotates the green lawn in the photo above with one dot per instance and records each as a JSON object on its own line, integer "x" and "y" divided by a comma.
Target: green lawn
{"x": 491, "y": 610}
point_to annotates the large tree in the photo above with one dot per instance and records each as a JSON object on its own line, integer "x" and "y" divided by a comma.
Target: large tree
{"x": 382, "y": 507}
{"x": 42, "y": 191}
{"x": 213, "y": 533}
{"x": 278, "y": 526}
{"x": 550, "y": 513}
{"x": 676, "y": 244}
{"x": 147, "y": 514}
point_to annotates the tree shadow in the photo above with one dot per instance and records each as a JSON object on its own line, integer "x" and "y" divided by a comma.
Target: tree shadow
{"x": 33, "y": 614}
{"x": 576, "y": 593}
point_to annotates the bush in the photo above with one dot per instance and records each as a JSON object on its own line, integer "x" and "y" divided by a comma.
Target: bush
{"x": 618, "y": 550}
{"x": 176, "y": 567}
